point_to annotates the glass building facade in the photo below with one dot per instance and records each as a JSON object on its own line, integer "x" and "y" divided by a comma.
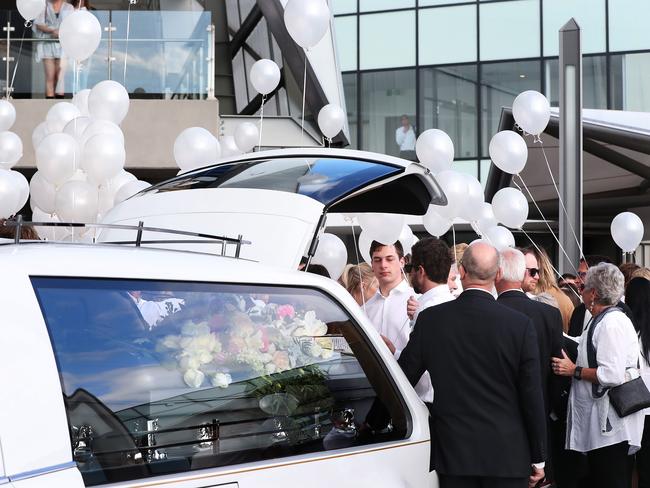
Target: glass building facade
{"x": 453, "y": 65}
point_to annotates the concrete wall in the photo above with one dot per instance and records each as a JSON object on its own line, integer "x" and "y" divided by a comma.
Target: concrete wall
{"x": 150, "y": 128}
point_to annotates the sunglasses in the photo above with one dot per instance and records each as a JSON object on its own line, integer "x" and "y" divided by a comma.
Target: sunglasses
{"x": 533, "y": 272}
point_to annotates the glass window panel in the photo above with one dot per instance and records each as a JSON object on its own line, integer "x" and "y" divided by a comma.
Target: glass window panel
{"x": 629, "y": 82}
{"x": 509, "y": 29}
{"x": 350, "y": 90}
{"x": 385, "y": 97}
{"x": 426, "y": 3}
{"x": 452, "y": 27}
{"x": 628, "y": 25}
{"x": 343, "y": 6}
{"x": 590, "y": 16}
{"x": 500, "y": 84}
{"x": 485, "y": 165}
{"x": 469, "y": 167}
{"x": 346, "y": 42}
{"x": 370, "y": 5}
{"x": 448, "y": 102}
{"x": 594, "y": 82}
{"x": 163, "y": 377}
{"x": 387, "y": 40}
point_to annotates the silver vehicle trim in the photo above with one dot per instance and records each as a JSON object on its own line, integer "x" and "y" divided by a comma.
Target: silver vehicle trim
{"x": 39, "y": 472}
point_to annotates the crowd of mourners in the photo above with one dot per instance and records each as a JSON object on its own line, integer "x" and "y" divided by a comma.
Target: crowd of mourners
{"x": 514, "y": 362}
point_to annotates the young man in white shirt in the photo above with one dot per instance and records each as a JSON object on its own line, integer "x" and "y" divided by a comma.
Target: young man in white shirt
{"x": 387, "y": 308}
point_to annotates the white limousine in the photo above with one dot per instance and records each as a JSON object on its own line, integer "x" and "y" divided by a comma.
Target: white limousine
{"x": 129, "y": 366}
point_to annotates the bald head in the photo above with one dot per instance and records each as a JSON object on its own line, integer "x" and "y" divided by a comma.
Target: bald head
{"x": 480, "y": 264}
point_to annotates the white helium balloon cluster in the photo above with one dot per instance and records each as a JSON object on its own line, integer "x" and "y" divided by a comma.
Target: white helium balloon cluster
{"x": 196, "y": 147}
{"x": 80, "y": 158}
{"x": 627, "y": 231}
{"x": 332, "y": 254}
{"x": 405, "y": 237}
{"x": 14, "y": 189}
{"x": 307, "y": 21}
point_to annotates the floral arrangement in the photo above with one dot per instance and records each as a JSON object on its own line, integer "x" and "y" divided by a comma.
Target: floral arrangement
{"x": 266, "y": 339}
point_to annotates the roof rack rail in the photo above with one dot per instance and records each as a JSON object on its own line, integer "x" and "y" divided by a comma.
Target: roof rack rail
{"x": 201, "y": 238}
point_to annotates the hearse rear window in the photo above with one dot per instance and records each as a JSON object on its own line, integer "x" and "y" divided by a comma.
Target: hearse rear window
{"x": 323, "y": 179}
{"x": 164, "y": 377}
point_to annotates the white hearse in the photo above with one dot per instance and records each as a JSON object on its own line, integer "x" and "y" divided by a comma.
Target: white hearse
{"x": 130, "y": 366}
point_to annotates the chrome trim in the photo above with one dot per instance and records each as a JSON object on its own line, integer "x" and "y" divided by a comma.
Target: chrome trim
{"x": 42, "y": 471}
{"x": 3, "y": 480}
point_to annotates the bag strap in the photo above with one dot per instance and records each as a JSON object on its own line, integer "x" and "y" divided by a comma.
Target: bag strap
{"x": 597, "y": 390}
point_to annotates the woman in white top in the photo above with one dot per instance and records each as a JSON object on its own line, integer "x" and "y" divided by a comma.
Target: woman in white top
{"x": 593, "y": 427}
{"x": 46, "y": 26}
{"x": 637, "y": 297}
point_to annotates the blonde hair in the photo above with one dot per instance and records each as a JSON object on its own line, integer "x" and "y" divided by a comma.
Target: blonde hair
{"x": 343, "y": 279}
{"x": 458, "y": 251}
{"x": 547, "y": 279}
{"x": 641, "y": 273}
{"x": 360, "y": 276}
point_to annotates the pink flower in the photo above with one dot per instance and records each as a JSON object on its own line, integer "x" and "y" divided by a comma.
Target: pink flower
{"x": 286, "y": 311}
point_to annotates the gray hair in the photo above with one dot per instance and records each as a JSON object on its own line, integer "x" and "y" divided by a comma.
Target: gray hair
{"x": 607, "y": 281}
{"x": 513, "y": 265}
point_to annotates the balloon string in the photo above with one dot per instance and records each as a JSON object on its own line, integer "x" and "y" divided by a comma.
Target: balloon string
{"x": 126, "y": 47}
{"x": 304, "y": 90}
{"x": 566, "y": 213}
{"x": 549, "y": 261}
{"x": 545, "y": 221}
{"x": 259, "y": 143}
{"x": 20, "y": 50}
{"x": 453, "y": 236}
{"x": 356, "y": 251}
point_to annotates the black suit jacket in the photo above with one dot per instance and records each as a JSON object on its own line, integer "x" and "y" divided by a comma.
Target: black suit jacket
{"x": 548, "y": 326}
{"x": 487, "y": 414}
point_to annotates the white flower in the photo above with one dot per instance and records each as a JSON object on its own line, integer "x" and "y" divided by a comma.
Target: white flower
{"x": 310, "y": 326}
{"x": 170, "y": 342}
{"x": 327, "y": 353}
{"x": 270, "y": 368}
{"x": 193, "y": 378}
{"x": 192, "y": 329}
{"x": 221, "y": 380}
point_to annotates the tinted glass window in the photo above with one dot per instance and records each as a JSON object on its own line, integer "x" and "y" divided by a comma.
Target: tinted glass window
{"x": 323, "y": 179}
{"x": 163, "y": 377}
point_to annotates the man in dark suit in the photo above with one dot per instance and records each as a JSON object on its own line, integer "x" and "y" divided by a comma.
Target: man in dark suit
{"x": 488, "y": 427}
{"x": 546, "y": 319}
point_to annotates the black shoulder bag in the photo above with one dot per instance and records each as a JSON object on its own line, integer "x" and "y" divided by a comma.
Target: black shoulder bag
{"x": 626, "y": 398}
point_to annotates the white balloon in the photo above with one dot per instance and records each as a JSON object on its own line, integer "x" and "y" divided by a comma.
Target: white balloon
{"x": 627, "y": 231}
{"x": 108, "y": 100}
{"x": 331, "y": 119}
{"x": 406, "y": 239}
{"x": 228, "y": 147}
{"x": 531, "y": 111}
{"x": 11, "y": 149}
{"x": 246, "y": 136}
{"x": 474, "y": 198}
{"x": 434, "y": 223}
{"x": 129, "y": 189}
{"x": 43, "y": 192}
{"x": 80, "y": 100}
{"x": 77, "y": 126}
{"x": 59, "y": 115}
{"x": 40, "y": 132}
{"x": 383, "y": 228}
{"x": 454, "y": 185}
{"x": 307, "y": 21}
{"x": 196, "y": 147}
{"x": 97, "y": 127}
{"x": 485, "y": 218}
{"x": 9, "y": 194}
{"x": 7, "y": 115}
{"x": 332, "y": 254}
{"x": 510, "y": 207}
{"x": 30, "y": 9}
{"x": 103, "y": 157}
{"x": 364, "y": 243}
{"x": 508, "y": 151}
{"x": 57, "y": 158}
{"x": 265, "y": 76}
{"x": 80, "y": 34}
{"x": 77, "y": 201}
{"x": 435, "y": 150}
{"x": 79, "y": 175}
{"x": 22, "y": 187}
{"x": 499, "y": 237}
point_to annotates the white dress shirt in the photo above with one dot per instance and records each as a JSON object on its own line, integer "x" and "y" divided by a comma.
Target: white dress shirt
{"x": 388, "y": 314}
{"x": 435, "y": 296}
{"x": 405, "y": 140}
{"x": 592, "y": 423}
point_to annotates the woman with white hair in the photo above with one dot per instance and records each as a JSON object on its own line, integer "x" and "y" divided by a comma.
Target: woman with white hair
{"x": 608, "y": 353}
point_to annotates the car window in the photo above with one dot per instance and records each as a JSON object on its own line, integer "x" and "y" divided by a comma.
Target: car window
{"x": 161, "y": 377}
{"x": 323, "y": 179}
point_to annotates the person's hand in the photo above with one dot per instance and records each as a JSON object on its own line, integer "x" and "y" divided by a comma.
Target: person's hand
{"x": 391, "y": 346}
{"x": 536, "y": 476}
{"x": 563, "y": 366}
{"x": 411, "y": 307}
{"x": 55, "y": 33}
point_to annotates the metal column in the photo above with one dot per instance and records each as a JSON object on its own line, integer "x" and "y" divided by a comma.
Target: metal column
{"x": 570, "y": 145}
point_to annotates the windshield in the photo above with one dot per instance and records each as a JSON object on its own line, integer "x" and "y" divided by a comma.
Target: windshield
{"x": 323, "y": 179}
